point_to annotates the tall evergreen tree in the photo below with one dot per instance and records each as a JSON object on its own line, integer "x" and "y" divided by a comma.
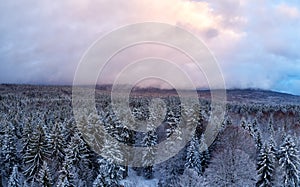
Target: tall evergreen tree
{"x": 227, "y": 122}
{"x": 256, "y": 134}
{"x": 66, "y": 175}
{"x": 8, "y": 154}
{"x": 258, "y": 141}
{"x": 26, "y": 134}
{"x": 99, "y": 181}
{"x": 265, "y": 167}
{"x": 205, "y": 155}
{"x": 244, "y": 124}
{"x": 119, "y": 129}
{"x": 193, "y": 157}
{"x": 36, "y": 153}
{"x": 170, "y": 171}
{"x": 44, "y": 176}
{"x": 271, "y": 125}
{"x": 273, "y": 147}
{"x": 109, "y": 173}
{"x": 174, "y": 140}
{"x": 79, "y": 156}
{"x": 57, "y": 145}
{"x": 289, "y": 162}
{"x": 95, "y": 132}
{"x": 113, "y": 154}
{"x": 14, "y": 179}
{"x": 150, "y": 140}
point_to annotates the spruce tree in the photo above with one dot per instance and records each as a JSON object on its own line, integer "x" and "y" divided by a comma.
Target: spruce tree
{"x": 174, "y": 140}
{"x": 271, "y": 125}
{"x": 79, "y": 156}
{"x": 273, "y": 147}
{"x": 14, "y": 179}
{"x": 109, "y": 173}
{"x": 98, "y": 182}
{"x": 244, "y": 124}
{"x": 289, "y": 162}
{"x": 113, "y": 154}
{"x": 8, "y": 154}
{"x": 258, "y": 141}
{"x": 252, "y": 127}
{"x": 36, "y": 153}
{"x": 205, "y": 155}
{"x": 95, "y": 132}
{"x": 119, "y": 130}
{"x": 150, "y": 140}
{"x": 26, "y": 134}
{"x": 66, "y": 175}
{"x": 193, "y": 157}
{"x": 256, "y": 134}
{"x": 265, "y": 167}
{"x": 57, "y": 145}
{"x": 44, "y": 176}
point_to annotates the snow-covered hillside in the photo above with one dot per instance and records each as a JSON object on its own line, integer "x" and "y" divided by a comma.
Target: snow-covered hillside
{"x": 42, "y": 145}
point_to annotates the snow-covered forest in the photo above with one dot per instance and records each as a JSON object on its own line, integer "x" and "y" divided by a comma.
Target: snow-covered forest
{"x": 257, "y": 145}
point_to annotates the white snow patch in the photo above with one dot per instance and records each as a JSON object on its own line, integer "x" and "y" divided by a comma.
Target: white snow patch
{"x": 138, "y": 181}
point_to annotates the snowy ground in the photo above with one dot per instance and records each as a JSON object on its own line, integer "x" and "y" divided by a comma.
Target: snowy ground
{"x": 138, "y": 181}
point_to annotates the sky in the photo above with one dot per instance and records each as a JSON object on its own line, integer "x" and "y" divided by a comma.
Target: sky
{"x": 256, "y": 42}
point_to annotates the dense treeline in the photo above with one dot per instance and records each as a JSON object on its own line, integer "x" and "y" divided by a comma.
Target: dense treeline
{"x": 41, "y": 144}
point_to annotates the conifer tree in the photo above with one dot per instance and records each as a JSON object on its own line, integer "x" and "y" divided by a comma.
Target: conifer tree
{"x": 66, "y": 175}
{"x": 14, "y": 179}
{"x": 258, "y": 141}
{"x": 8, "y": 154}
{"x": 98, "y": 182}
{"x": 273, "y": 147}
{"x": 113, "y": 154}
{"x": 57, "y": 145}
{"x": 271, "y": 125}
{"x": 79, "y": 156}
{"x": 244, "y": 124}
{"x": 193, "y": 157}
{"x": 44, "y": 176}
{"x": 150, "y": 140}
{"x": 36, "y": 153}
{"x": 174, "y": 140}
{"x": 205, "y": 155}
{"x": 26, "y": 134}
{"x": 109, "y": 173}
{"x": 95, "y": 132}
{"x": 265, "y": 167}
{"x": 289, "y": 162}
{"x": 119, "y": 129}
{"x": 252, "y": 128}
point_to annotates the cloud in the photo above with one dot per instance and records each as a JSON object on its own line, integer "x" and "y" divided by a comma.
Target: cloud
{"x": 267, "y": 52}
{"x": 255, "y": 42}
{"x": 288, "y": 11}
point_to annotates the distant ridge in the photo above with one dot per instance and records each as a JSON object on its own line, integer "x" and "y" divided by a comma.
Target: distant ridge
{"x": 249, "y": 95}
{"x": 109, "y": 86}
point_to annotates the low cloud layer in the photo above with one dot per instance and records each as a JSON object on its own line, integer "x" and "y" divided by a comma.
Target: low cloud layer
{"x": 255, "y": 42}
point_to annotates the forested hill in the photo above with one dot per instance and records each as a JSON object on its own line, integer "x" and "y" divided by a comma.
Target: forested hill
{"x": 261, "y": 96}
{"x": 41, "y": 144}
{"x": 245, "y": 96}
